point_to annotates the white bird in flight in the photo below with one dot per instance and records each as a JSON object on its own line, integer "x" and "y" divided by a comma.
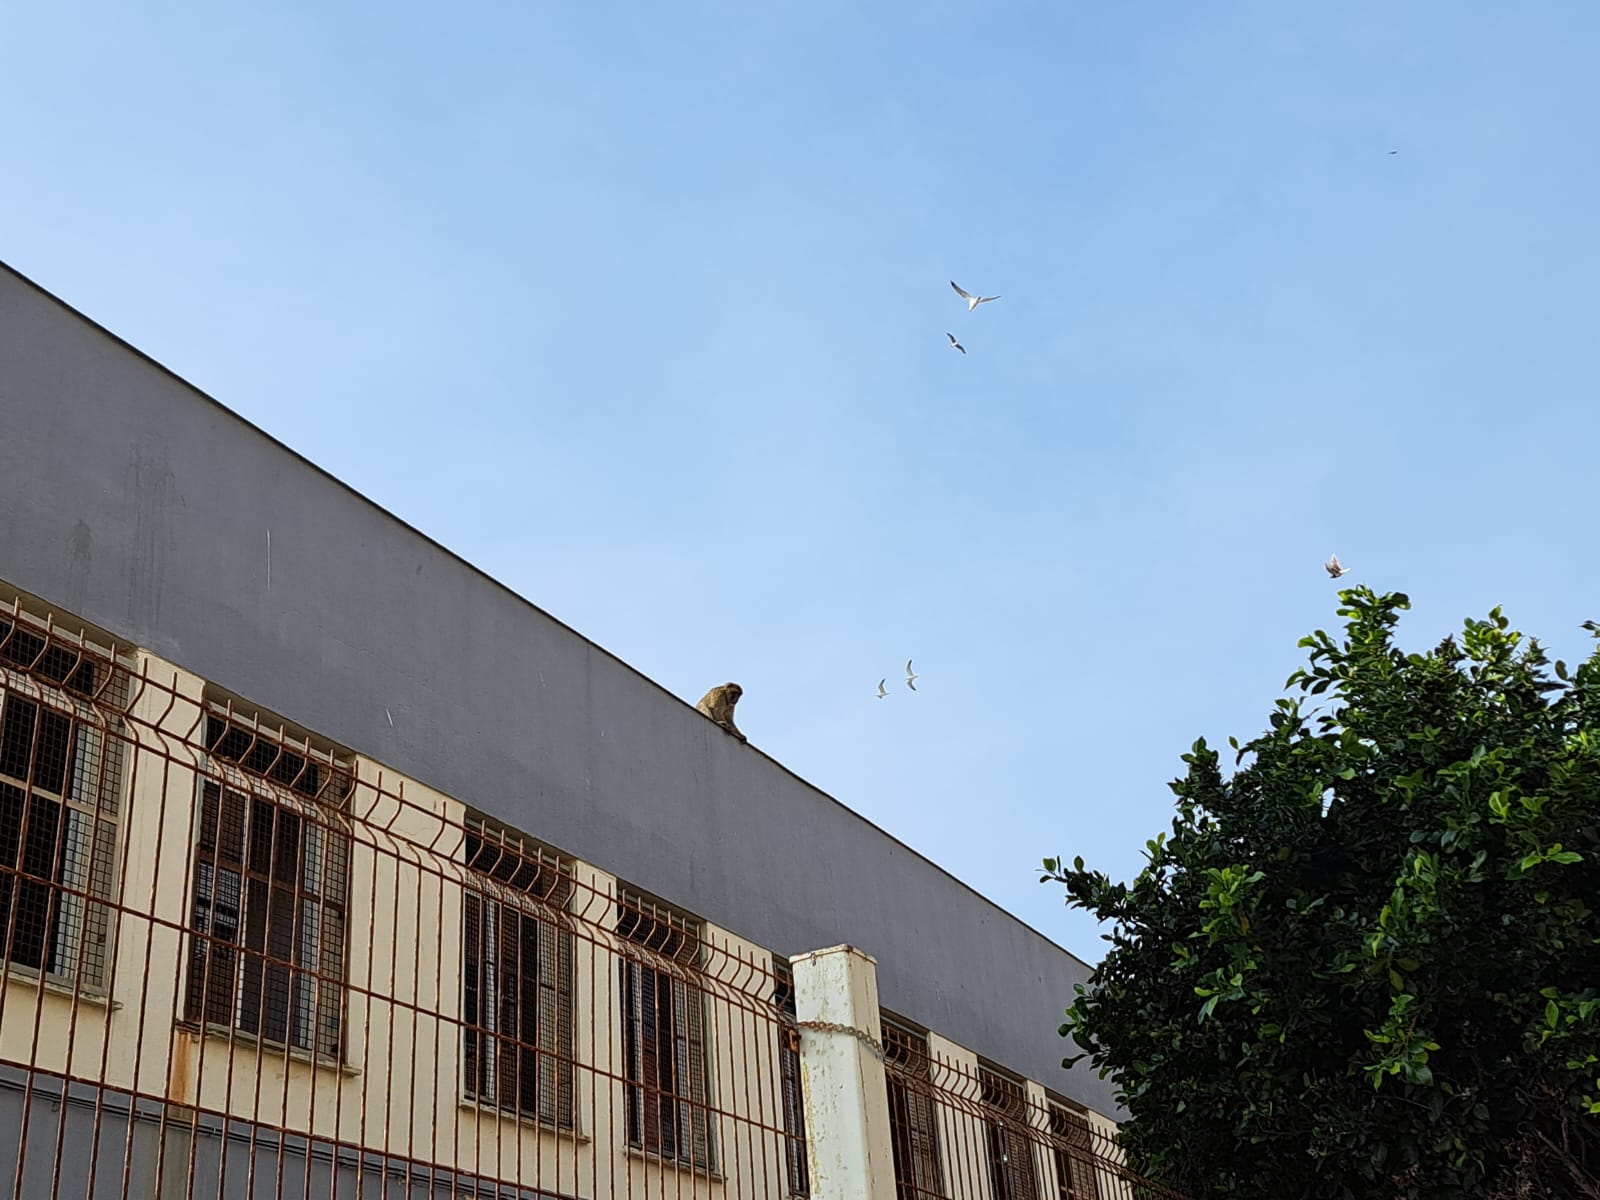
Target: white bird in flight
{"x": 972, "y": 301}
{"x": 1333, "y": 568}
{"x": 911, "y": 676}
{"x": 955, "y": 344}
{"x": 883, "y": 692}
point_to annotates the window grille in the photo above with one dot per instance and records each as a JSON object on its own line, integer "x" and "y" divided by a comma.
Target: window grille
{"x": 664, "y": 1044}
{"x": 1011, "y": 1175}
{"x": 794, "y": 1112}
{"x": 271, "y": 877}
{"x": 517, "y": 1005}
{"x": 1073, "y": 1151}
{"x": 61, "y": 754}
{"x": 913, "y": 1130}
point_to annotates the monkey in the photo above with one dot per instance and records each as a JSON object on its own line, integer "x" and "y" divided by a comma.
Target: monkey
{"x": 718, "y": 705}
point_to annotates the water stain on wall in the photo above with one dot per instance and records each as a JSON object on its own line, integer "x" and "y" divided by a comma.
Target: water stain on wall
{"x": 151, "y": 493}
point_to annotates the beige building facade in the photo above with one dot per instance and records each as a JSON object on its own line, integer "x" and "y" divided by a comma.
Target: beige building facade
{"x": 259, "y": 960}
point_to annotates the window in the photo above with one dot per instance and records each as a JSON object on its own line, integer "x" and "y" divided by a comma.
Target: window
{"x": 517, "y": 1012}
{"x": 60, "y": 783}
{"x": 1073, "y": 1150}
{"x": 794, "y": 1109}
{"x": 665, "y": 1052}
{"x": 912, "y": 1129}
{"x": 271, "y": 873}
{"x": 1010, "y": 1148}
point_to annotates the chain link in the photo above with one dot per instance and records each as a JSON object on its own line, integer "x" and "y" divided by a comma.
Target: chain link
{"x": 861, "y": 1035}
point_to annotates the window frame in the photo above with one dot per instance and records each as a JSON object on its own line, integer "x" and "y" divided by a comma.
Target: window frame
{"x": 535, "y": 885}
{"x": 1013, "y": 1173}
{"x": 1076, "y": 1175}
{"x": 63, "y": 677}
{"x": 791, "y": 1085}
{"x": 316, "y": 796}
{"x": 913, "y": 1112}
{"x": 660, "y": 952}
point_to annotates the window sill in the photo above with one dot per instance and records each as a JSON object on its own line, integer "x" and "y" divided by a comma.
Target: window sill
{"x": 59, "y": 987}
{"x": 714, "y": 1175}
{"x": 268, "y": 1049}
{"x": 490, "y": 1112}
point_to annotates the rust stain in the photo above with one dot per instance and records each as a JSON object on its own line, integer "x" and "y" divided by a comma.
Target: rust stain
{"x": 178, "y": 1079}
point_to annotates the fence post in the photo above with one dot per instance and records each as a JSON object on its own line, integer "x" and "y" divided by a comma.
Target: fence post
{"x": 848, "y": 1144}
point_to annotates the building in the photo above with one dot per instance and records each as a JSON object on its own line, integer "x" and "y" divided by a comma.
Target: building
{"x": 330, "y": 867}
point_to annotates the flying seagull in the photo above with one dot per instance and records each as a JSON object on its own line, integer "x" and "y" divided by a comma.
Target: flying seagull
{"x": 883, "y": 692}
{"x": 911, "y": 676}
{"x": 1394, "y": 152}
{"x": 955, "y": 345}
{"x": 972, "y": 301}
{"x": 1333, "y": 568}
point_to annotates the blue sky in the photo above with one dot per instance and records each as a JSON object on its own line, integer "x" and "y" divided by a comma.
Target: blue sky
{"x": 643, "y": 311}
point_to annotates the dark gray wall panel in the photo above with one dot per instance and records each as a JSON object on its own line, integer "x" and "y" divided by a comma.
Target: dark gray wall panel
{"x": 81, "y": 1150}
{"x": 136, "y": 502}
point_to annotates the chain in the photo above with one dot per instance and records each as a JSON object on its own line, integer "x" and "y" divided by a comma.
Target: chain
{"x": 861, "y": 1035}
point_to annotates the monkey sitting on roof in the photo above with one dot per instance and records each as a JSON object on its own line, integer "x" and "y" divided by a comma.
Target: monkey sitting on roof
{"x": 718, "y": 705}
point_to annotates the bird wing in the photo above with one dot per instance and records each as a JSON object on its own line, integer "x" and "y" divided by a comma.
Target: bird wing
{"x": 909, "y": 671}
{"x": 910, "y": 684}
{"x": 952, "y": 338}
{"x": 960, "y": 291}
{"x": 986, "y": 299}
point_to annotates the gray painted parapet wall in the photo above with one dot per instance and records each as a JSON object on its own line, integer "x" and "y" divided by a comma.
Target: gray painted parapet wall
{"x": 134, "y": 501}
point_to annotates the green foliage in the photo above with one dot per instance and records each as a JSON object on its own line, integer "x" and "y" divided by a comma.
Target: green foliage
{"x": 1367, "y": 963}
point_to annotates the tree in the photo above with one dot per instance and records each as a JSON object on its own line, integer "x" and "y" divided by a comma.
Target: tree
{"x": 1365, "y": 964}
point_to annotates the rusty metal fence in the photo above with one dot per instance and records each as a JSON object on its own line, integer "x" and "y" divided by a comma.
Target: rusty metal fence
{"x": 242, "y": 962}
{"x": 238, "y": 962}
{"x": 962, "y": 1130}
